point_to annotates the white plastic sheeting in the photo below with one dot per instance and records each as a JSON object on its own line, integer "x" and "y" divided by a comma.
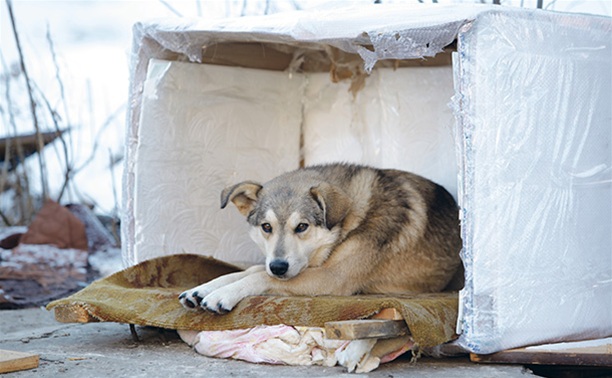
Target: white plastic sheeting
{"x": 534, "y": 101}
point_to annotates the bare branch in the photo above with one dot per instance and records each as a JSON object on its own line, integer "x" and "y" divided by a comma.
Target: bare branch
{"x": 60, "y": 133}
{"x": 107, "y": 123}
{"x": 551, "y": 5}
{"x": 295, "y": 4}
{"x": 199, "y": 7}
{"x": 244, "y": 8}
{"x": 55, "y": 116}
{"x": 267, "y": 9}
{"x": 22, "y": 185}
{"x": 11, "y": 116}
{"x": 114, "y": 187}
{"x": 58, "y": 78}
{"x": 39, "y": 145}
{"x": 5, "y": 219}
{"x": 171, "y": 8}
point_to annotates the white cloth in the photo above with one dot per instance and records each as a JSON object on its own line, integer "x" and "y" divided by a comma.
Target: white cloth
{"x": 287, "y": 345}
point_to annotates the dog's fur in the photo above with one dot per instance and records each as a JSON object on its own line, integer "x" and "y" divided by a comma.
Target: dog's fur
{"x": 340, "y": 229}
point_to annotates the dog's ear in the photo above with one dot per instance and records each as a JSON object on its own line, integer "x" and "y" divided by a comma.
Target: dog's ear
{"x": 333, "y": 201}
{"x": 243, "y": 195}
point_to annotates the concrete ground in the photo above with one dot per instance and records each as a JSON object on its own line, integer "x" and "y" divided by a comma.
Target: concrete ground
{"x": 108, "y": 350}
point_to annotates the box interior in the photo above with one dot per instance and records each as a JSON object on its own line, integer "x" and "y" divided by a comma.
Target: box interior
{"x": 207, "y": 126}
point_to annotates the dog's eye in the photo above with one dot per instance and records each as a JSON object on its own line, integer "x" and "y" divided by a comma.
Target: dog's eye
{"x": 301, "y": 228}
{"x": 266, "y": 228}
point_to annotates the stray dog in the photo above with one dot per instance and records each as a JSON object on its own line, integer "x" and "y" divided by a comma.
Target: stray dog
{"x": 340, "y": 229}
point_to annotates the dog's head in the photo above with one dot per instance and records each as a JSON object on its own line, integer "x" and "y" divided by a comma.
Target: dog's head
{"x": 296, "y": 224}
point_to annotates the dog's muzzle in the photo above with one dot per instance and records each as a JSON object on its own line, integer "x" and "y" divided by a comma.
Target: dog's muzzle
{"x": 279, "y": 267}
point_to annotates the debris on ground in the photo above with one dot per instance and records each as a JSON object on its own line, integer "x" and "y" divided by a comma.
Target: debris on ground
{"x": 59, "y": 253}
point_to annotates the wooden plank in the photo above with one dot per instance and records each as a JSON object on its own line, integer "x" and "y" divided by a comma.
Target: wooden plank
{"x": 365, "y": 329}
{"x": 15, "y": 361}
{"x": 28, "y": 144}
{"x": 73, "y": 314}
{"x": 591, "y": 356}
{"x": 389, "y": 314}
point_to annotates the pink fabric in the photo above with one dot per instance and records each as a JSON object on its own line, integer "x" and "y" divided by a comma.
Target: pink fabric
{"x": 287, "y": 345}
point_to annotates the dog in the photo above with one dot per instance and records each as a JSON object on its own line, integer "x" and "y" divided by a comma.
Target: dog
{"x": 340, "y": 229}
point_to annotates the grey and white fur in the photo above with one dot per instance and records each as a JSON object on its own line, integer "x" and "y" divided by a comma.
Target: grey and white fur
{"x": 341, "y": 229}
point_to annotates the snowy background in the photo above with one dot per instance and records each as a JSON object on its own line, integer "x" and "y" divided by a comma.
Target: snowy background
{"x": 77, "y": 55}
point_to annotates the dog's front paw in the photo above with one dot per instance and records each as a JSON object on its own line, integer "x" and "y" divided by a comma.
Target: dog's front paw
{"x": 220, "y": 301}
{"x": 191, "y": 299}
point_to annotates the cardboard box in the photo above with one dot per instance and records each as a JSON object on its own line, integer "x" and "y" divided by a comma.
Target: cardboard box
{"x": 535, "y": 124}
{"x": 528, "y": 158}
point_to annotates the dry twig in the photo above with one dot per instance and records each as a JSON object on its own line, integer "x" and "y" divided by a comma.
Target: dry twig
{"x": 39, "y": 145}
{"x": 68, "y": 164}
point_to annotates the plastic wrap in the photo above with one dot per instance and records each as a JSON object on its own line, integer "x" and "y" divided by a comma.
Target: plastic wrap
{"x": 400, "y": 119}
{"x": 534, "y": 95}
{"x": 204, "y": 128}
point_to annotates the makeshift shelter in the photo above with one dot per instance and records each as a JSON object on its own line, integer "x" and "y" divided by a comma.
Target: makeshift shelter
{"x": 527, "y": 153}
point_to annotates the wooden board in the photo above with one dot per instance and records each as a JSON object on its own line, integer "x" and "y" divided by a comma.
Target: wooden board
{"x": 15, "y": 361}
{"x": 590, "y": 356}
{"x": 389, "y": 314}
{"x": 73, "y": 314}
{"x": 365, "y": 329}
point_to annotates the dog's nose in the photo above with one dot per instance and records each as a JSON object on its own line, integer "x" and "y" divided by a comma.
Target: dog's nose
{"x": 279, "y": 267}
